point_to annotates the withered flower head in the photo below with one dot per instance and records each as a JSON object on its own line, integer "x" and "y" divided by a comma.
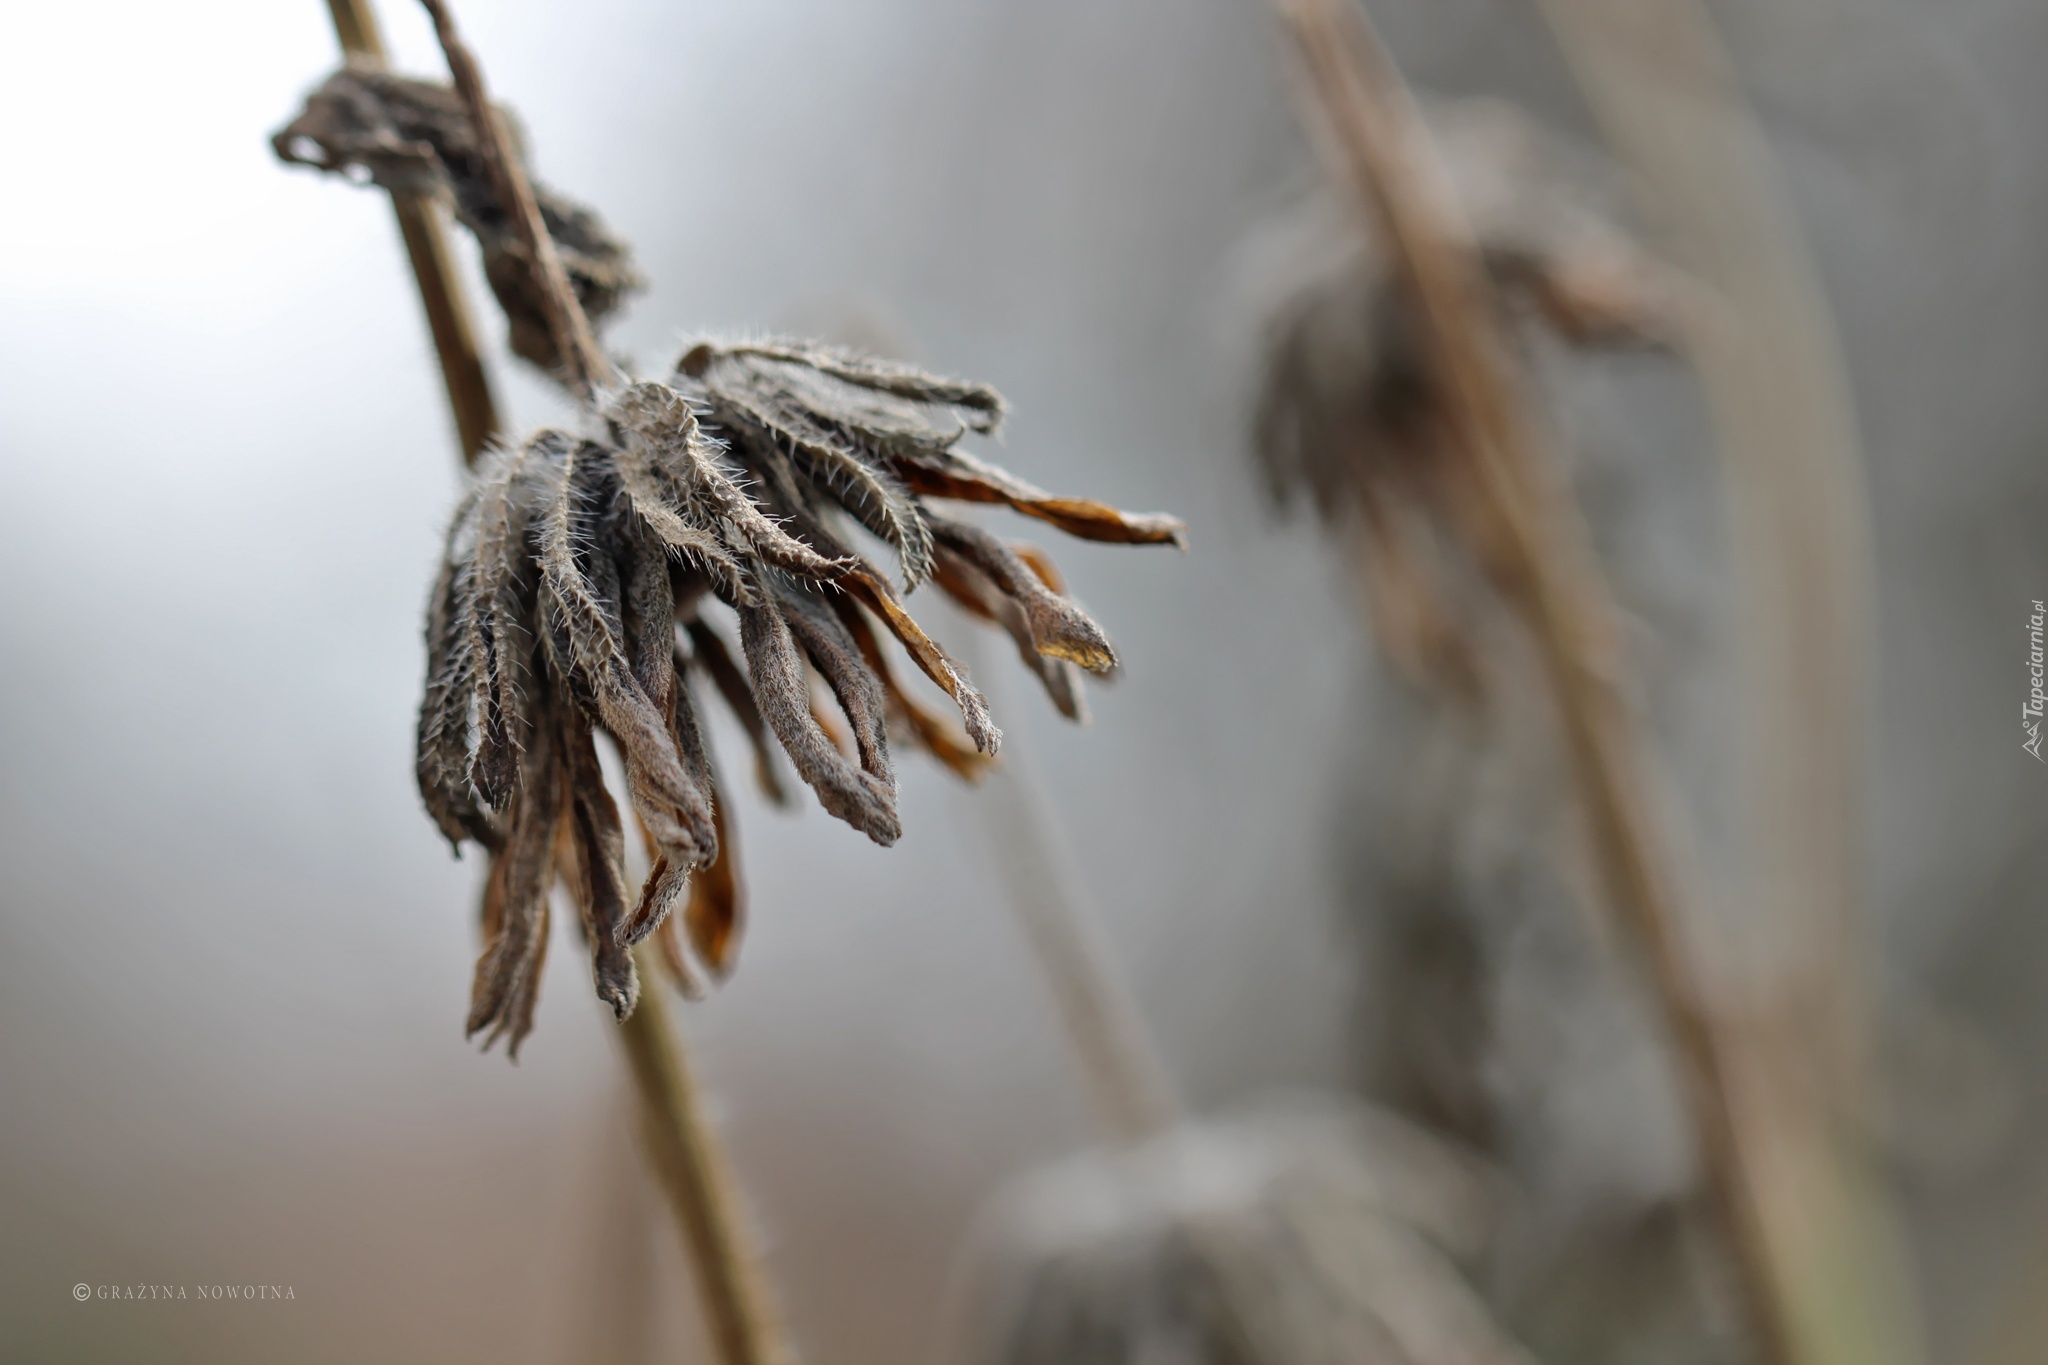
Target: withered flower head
{"x": 415, "y": 138}
{"x": 1348, "y": 412}
{"x": 592, "y": 579}
{"x": 575, "y": 561}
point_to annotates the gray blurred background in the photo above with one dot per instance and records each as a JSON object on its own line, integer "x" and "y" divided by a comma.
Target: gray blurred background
{"x": 234, "y": 954}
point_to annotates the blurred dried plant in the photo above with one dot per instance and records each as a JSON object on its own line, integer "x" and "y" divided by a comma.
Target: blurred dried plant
{"x": 1294, "y": 1233}
{"x": 1669, "y": 101}
{"x": 1350, "y": 414}
{"x": 1419, "y": 442}
{"x": 1516, "y": 532}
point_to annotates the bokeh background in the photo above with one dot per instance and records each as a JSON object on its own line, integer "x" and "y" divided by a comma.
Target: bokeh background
{"x": 234, "y": 954}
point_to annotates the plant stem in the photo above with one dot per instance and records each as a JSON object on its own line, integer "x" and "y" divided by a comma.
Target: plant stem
{"x": 1527, "y": 537}
{"x": 1119, "y": 1062}
{"x": 433, "y": 267}
{"x": 688, "y": 1160}
{"x": 680, "y": 1142}
{"x": 584, "y": 367}
{"x": 1122, "y": 1072}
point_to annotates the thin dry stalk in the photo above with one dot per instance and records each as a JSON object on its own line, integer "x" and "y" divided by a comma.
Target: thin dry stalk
{"x": 1527, "y": 537}
{"x": 584, "y": 366}
{"x": 680, "y": 1142}
{"x": 433, "y": 267}
{"x": 1122, "y": 1073}
{"x": 1661, "y": 86}
{"x": 691, "y": 1165}
{"x": 1119, "y": 1062}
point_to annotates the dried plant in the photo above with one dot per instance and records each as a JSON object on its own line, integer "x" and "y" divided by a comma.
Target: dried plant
{"x": 585, "y": 576}
{"x": 574, "y": 560}
{"x": 1351, "y": 415}
{"x": 1520, "y": 534}
{"x": 412, "y": 137}
{"x": 1294, "y": 1233}
{"x": 1383, "y": 400}
{"x": 576, "y": 593}
{"x": 576, "y": 589}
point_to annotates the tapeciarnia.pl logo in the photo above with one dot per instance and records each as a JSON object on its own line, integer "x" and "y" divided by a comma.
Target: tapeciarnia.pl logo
{"x": 2037, "y": 699}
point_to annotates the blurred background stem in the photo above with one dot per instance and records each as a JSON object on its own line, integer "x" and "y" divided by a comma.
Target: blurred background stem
{"x": 1759, "y": 336}
{"x": 1525, "y": 533}
{"x": 1113, "y": 1050}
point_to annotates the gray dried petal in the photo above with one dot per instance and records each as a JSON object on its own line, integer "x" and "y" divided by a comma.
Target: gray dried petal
{"x": 677, "y": 814}
{"x": 523, "y": 872}
{"x": 769, "y": 413}
{"x": 667, "y": 889}
{"x": 443, "y": 755}
{"x": 600, "y": 889}
{"x": 783, "y": 691}
{"x": 836, "y": 656}
{"x": 710, "y": 654}
{"x": 658, "y": 420}
{"x": 899, "y": 380}
{"x": 500, "y": 646}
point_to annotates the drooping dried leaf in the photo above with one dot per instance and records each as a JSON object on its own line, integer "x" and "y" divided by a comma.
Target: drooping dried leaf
{"x": 1058, "y": 627}
{"x": 581, "y": 596}
{"x": 599, "y": 888}
{"x": 939, "y": 666}
{"x": 782, "y": 689}
{"x": 973, "y": 591}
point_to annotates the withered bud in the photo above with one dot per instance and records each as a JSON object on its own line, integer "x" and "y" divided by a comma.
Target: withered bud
{"x": 414, "y": 137}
